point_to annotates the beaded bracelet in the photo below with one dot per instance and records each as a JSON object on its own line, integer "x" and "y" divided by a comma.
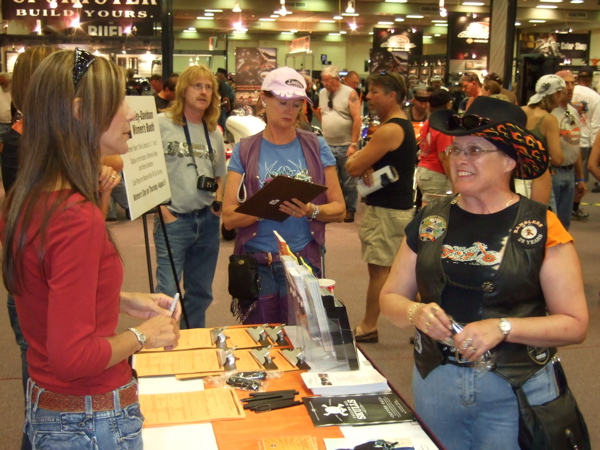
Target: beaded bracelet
{"x": 315, "y": 212}
{"x": 412, "y": 310}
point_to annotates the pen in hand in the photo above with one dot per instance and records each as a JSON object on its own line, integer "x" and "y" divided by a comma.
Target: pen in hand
{"x": 174, "y": 304}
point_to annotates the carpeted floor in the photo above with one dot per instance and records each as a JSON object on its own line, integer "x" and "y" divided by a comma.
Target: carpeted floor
{"x": 393, "y": 353}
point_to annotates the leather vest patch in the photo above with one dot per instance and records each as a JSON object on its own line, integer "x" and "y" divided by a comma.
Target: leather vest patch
{"x": 431, "y": 228}
{"x": 529, "y": 233}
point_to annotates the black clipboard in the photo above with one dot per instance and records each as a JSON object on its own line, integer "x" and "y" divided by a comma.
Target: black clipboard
{"x": 265, "y": 203}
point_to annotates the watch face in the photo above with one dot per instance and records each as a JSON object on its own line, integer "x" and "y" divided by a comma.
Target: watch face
{"x": 505, "y": 326}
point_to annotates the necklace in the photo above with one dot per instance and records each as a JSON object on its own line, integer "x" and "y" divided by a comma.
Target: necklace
{"x": 512, "y": 199}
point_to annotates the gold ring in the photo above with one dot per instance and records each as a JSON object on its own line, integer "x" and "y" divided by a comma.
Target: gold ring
{"x": 113, "y": 176}
{"x": 434, "y": 310}
{"x": 473, "y": 349}
{"x": 430, "y": 316}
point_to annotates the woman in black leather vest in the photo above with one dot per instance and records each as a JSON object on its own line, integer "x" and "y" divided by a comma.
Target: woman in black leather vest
{"x": 499, "y": 281}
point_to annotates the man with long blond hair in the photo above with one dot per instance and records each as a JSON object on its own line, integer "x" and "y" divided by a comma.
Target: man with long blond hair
{"x": 195, "y": 157}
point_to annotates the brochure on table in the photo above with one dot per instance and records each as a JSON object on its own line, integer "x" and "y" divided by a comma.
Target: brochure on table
{"x": 323, "y": 331}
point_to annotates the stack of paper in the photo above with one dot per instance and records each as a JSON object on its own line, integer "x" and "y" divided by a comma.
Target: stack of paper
{"x": 364, "y": 381}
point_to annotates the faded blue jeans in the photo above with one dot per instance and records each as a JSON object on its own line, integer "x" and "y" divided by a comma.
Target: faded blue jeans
{"x": 347, "y": 181}
{"x": 563, "y": 187}
{"x": 120, "y": 428}
{"x": 194, "y": 240}
{"x": 476, "y": 409}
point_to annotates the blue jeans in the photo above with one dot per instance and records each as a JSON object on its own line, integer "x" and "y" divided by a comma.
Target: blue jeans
{"x": 563, "y": 187}
{"x": 272, "y": 305}
{"x": 120, "y": 428}
{"x": 347, "y": 181}
{"x": 194, "y": 241}
{"x": 476, "y": 409}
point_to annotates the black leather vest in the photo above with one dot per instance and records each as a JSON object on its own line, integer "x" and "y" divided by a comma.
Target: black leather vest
{"x": 513, "y": 291}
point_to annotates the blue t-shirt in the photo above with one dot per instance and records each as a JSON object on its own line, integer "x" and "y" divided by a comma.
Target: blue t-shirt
{"x": 288, "y": 160}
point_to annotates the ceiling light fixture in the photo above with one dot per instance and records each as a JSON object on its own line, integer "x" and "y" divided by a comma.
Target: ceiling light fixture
{"x": 236, "y": 7}
{"x": 350, "y": 9}
{"x": 353, "y": 26}
{"x": 282, "y": 11}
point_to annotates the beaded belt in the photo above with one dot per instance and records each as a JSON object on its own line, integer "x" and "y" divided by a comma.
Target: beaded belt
{"x": 53, "y": 401}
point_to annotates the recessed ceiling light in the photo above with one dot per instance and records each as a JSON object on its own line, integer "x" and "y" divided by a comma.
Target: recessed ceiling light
{"x": 337, "y": 17}
{"x": 395, "y": 1}
{"x": 437, "y": 35}
{"x": 441, "y": 25}
{"x": 327, "y": 21}
{"x": 334, "y": 34}
{"x": 439, "y": 21}
{"x": 551, "y": 1}
{"x": 205, "y": 18}
{"x": 546, "y": 6}
{"x": 414, "y": 16}
{"x": 213, "y": 10}
{"x": 265, "y": 19}
{"x": 537, "y": 21}
{"x": 209, "y": 14}
{"x": 350, "y": 14}
{"x": 473, "y": 3}
{"x": 385, "y": 23}
{"x": 399, "y": 19}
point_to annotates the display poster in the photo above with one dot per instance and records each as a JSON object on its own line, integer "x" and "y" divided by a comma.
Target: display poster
{"x": 144, "y": 167}
{"x": 468, "y": 41}
{"x": 393, "y": 48}
{"x": 300, "y": 45}
{"x": 252, "y": 65}
{"x": 95, "y": 17}
{"x": 562, "y": 45}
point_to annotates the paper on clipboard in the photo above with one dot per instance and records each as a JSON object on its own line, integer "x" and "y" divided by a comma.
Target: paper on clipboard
{"x": 265, "y": 203}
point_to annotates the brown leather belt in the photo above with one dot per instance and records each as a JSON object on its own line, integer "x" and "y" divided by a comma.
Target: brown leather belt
{"x": 53, "y": 401}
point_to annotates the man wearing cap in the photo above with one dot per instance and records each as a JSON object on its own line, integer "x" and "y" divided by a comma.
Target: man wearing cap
{"x": 227, "y": 96}
{"x": 567, "y": 178}
{"x": 492, "y": 76}
{"x": 587, "y": 101}
{"x": 339, "y": 113}
{"x": 437, "y": 83}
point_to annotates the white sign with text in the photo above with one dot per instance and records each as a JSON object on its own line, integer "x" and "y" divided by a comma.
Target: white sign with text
{"x": 145, "y": 170}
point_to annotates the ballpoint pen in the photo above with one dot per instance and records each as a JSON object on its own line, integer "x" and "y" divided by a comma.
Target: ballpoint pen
{"x": 174, "y": 304}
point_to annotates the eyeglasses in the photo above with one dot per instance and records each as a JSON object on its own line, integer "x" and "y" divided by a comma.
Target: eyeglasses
{"x": 471, "y": 152}
{"x": 330, "y": 102}
{"x": 466, "y": 122}
{"x": 199, "y": 86}
{"x": 83, "y": 60}
{"x": 422, "y": 99}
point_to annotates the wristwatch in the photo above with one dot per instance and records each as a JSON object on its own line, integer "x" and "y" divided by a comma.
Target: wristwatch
{"x": 141, "y": 337}
{"x": 505, "y": 326}
{"x": 217, "y": 205}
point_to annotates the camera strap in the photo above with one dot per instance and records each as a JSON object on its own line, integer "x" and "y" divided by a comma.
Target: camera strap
{"x": 191, "y": 149}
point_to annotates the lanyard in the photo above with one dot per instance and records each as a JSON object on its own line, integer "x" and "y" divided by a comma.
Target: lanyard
{"x": 189, "y": 143}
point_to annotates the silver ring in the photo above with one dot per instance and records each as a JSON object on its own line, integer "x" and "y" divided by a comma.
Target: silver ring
{"x": 467, "y": 343}
{"x": 473, "y": 349}
{"x": 113, "y": 176}
{"x": 293, "y": 213}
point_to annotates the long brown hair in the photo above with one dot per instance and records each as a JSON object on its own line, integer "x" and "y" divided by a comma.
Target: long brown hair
{"x": 60, "y": 149}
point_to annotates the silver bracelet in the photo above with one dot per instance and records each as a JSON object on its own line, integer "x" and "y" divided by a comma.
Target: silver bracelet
{"x": 315, "y": 212}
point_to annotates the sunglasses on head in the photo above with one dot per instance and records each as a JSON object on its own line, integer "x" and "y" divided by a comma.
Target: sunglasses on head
{"x": 466, "y": 122}
{"x": 83, "y": 61}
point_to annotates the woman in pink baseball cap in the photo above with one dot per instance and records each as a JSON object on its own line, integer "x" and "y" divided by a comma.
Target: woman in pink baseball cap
{"x": 281, "y": 149}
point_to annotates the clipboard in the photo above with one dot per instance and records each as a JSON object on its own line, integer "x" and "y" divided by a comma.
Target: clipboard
{"x": 265, "y": 203}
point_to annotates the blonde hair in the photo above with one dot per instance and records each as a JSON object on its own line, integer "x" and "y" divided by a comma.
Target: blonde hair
{"x": 60, "y": 147}
{"x": 188, "y": 78}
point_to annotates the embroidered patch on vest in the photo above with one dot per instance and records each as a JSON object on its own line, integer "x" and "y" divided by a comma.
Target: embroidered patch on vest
{"x": 539, "y": 355}
{"x": 431, "y": 228}
{"x": 529, "y": 233}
